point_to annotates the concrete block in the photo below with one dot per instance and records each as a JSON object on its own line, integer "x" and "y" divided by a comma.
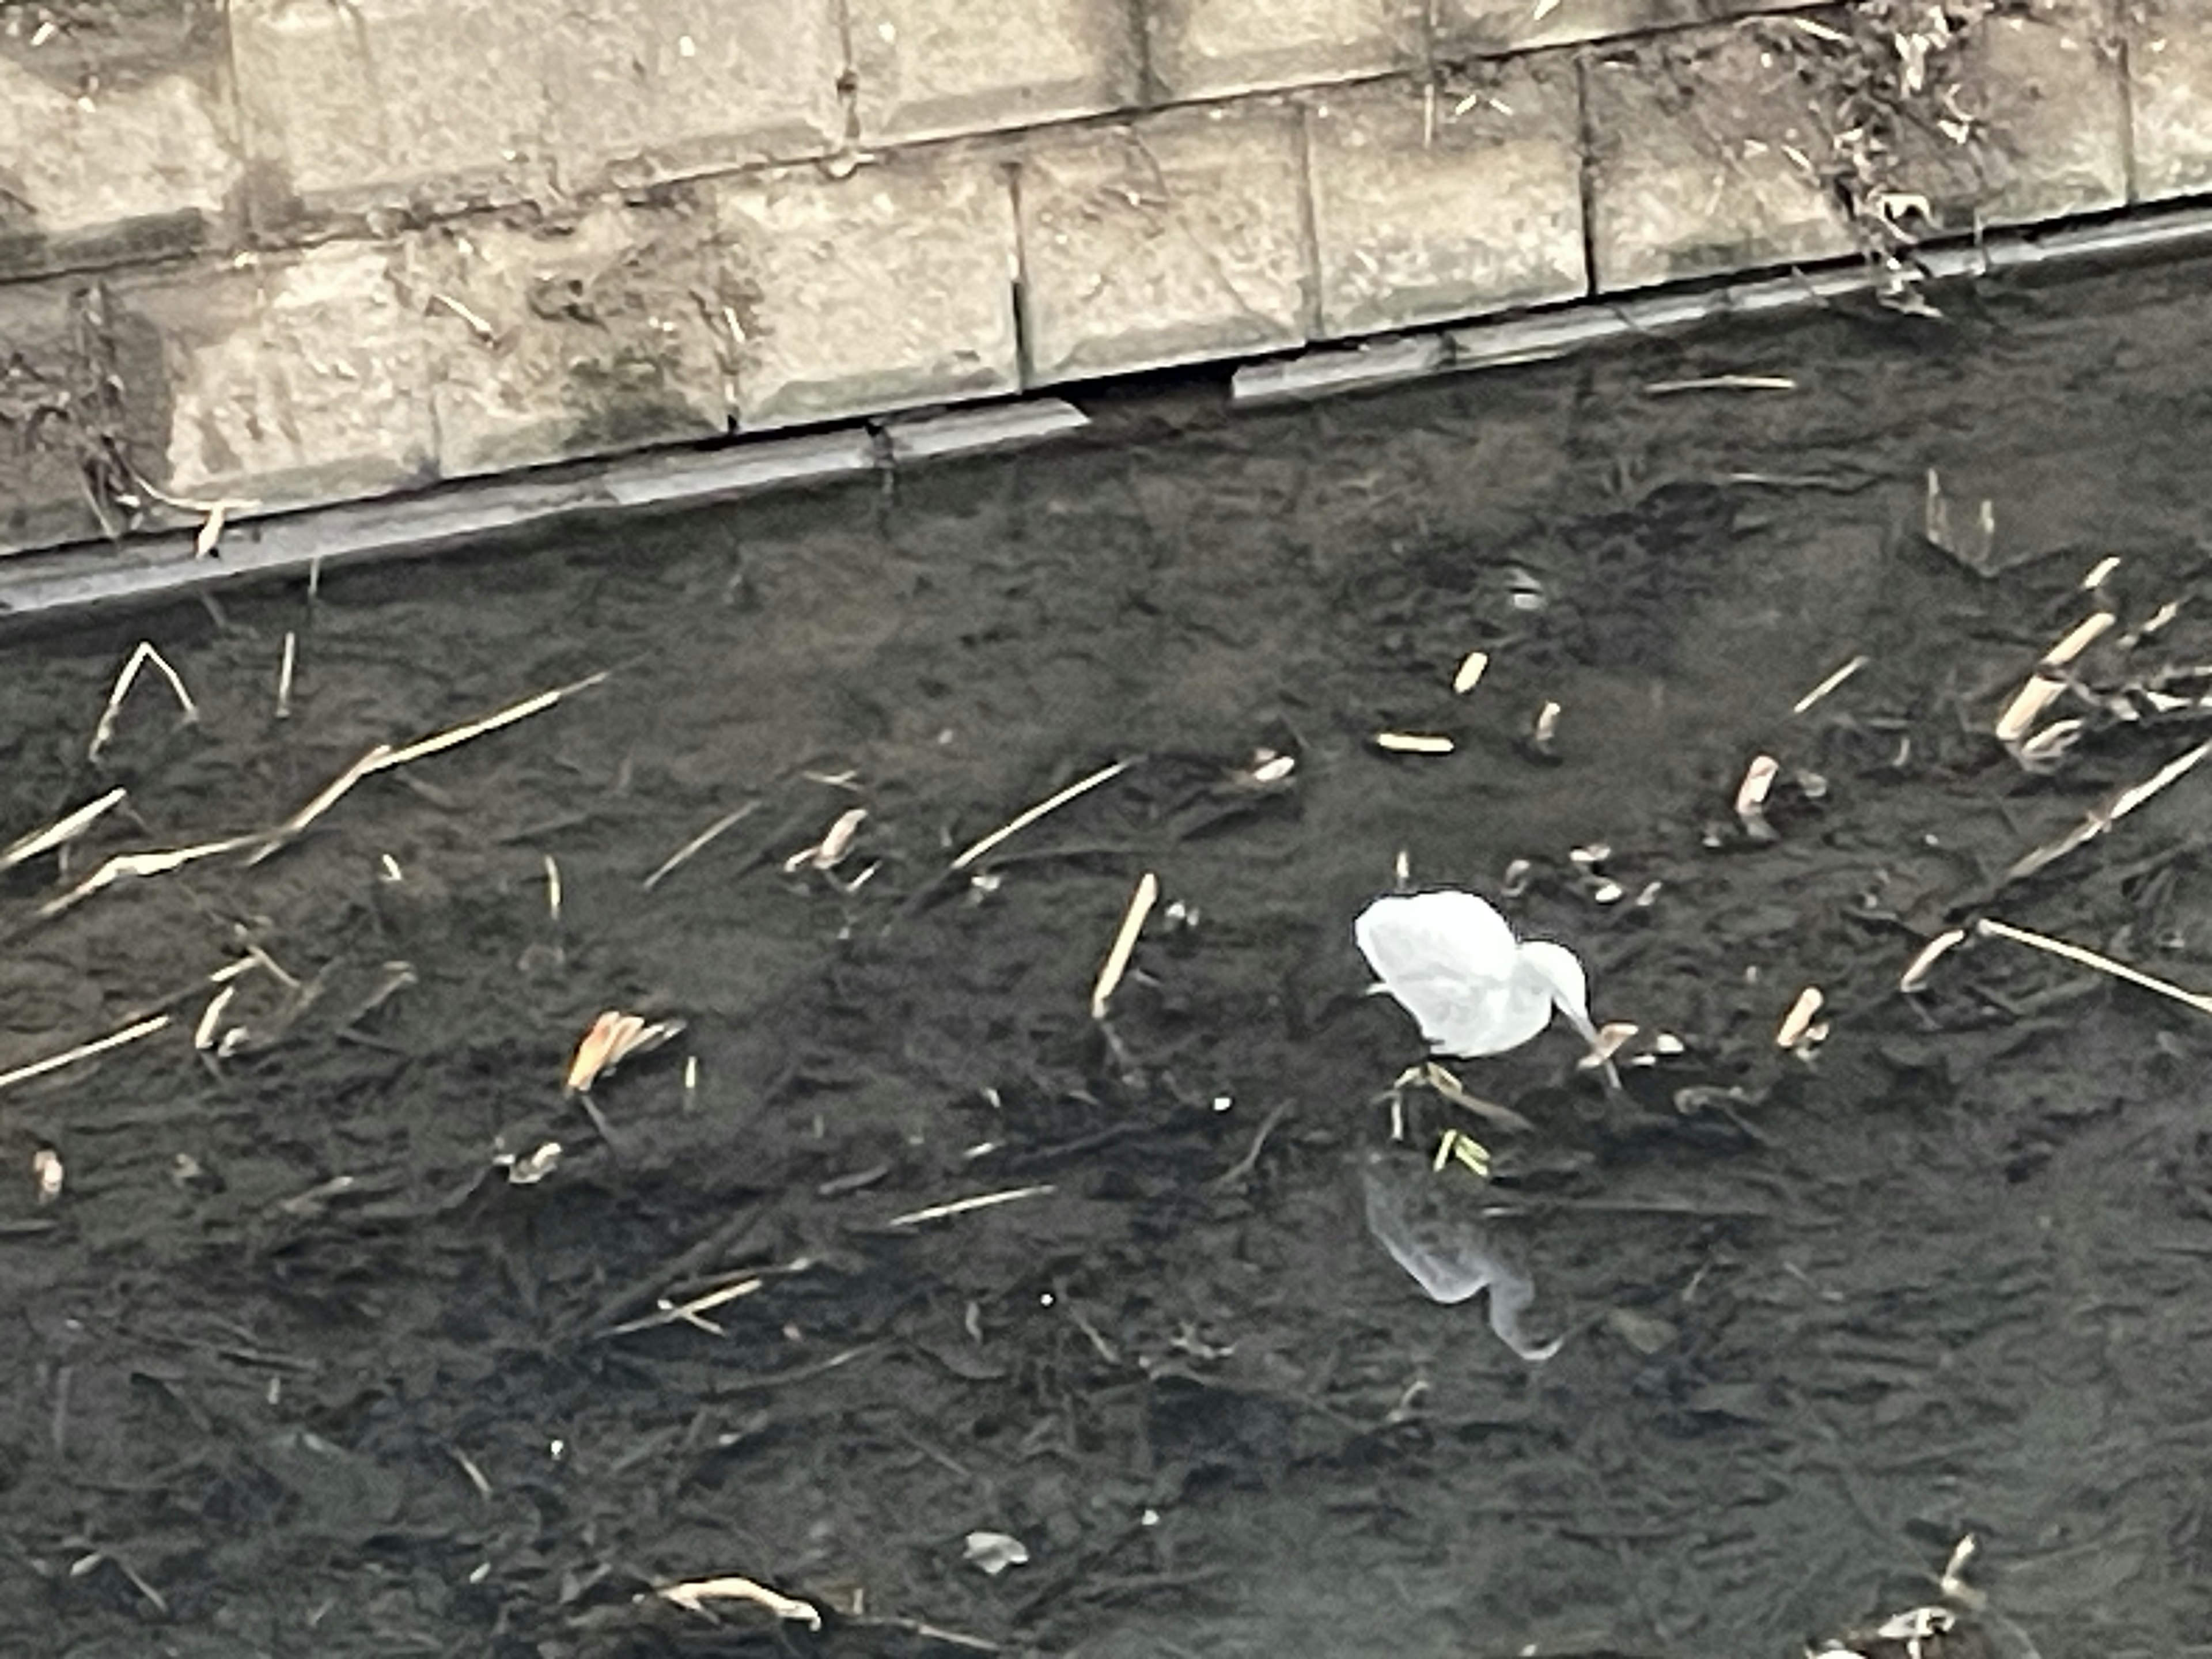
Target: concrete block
{"x": 430, "y": 104}
{"x": 1700, "y": 148}
{"x": 2049, "y": 132}
{"x": 1427, "y": 208}
{"x": 554, "y": 341}
{"x": 646, "y": 89}
{"x": 290, "y": 381}
{"x": 2169, "y": 56}
{"x": 929, "y": 68}
{"x": 1215, "y": 48}
{"x": 44, "y": 444}
{"x": 891, "y": 287}
{"x": 1175, "y": 239}
{"x": 1488, "y": 28}
{"x": 117, "y": 142}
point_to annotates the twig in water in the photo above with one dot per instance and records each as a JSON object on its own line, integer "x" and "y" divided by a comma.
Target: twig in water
{"x": 284, "y": 675}
{"x": 141, "y": 654}
{"x": 126, "y": 865}
{"x": 144, "y": 1028}
{"x": 698, "y": 844}
{"x": 383, "y": 757}
{"x": 1022, "y": 821}
{"x": 2088, "y": 958}
{"x": 59, "y": 833}
{"x": 1125, "y": 942}
{"x": 1723, "y": 383}
{"x": 2102, "y": 818}
{"x": 1828, "y": 685}
{"x": 962, "y": 1206}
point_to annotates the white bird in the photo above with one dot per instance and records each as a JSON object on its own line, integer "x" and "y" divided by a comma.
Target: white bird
{"x": 1451, "y": 962}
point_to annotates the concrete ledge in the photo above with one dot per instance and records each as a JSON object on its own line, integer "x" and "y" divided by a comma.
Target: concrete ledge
{"x": 279, "y": 253}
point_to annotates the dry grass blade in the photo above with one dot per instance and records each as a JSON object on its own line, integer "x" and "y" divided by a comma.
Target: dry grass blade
{"x": 384, "y": 758}
{"x": 2084, "y": 634}
{"x": 613, "y": 1038}
{"x": 1923, "y": 961}
{"x": 331, "y": 793}
{"x": 962, "y": 1206}
{"x": 1829, "y": 684}
{"x": 127, "y": 865}
{"x": 1022, "y": 821}
{"x": 1723, "y": 383}
{"x": 695, "y": 1595}
{"x": 2101, "y": 818}
{"x": 144, "y": 1028}
{"x": 2027, "y": 706}
{"x": 61, "y": 832}
{"x": 1472, "y": 667}
{"x": 1413, "y": 743}
{"x": 698, "y": 844}
{"x": 1751, "y": 795}
{"x": 453, "y": 737}
{"x": 1125, "y": 942}
{"x": 141, "y": 654}
{"x": 2088, "y": 958}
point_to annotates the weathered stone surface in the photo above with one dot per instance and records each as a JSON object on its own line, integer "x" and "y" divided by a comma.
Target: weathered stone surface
{"x": 116, "y": 143}
{"x": 892, "y": 287}
{"x": 1486, "y": 29}
{"x": 1212, "y": 48}
{"x": 929, "y": 68}
{"x": 1173, "y": 238}
{"x": 2049, "y": 136}
{"x": 1693, "y": 170}
{"x": 656, "y": 88}
{"x": 2170, "y": 66}
{"x": 1427, "y": 208}
{"x": 45, "y": 496}
{"x": 379, "y": 103}
{"x": 551, "y": 342}
{"x": 292, "y": 381}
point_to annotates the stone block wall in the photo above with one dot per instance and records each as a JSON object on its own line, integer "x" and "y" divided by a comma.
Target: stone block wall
{"x": 274, "y": 253}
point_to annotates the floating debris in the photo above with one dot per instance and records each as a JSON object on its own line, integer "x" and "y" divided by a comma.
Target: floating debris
{"x": 1125, "y": 944}
{"x": 1829, "y": 684}
{"x": 47, "y": 1174}
{"x": 613, "y": 1038}
{"x": 994, "y": 1551}
{"x": 37, "y": 1068}
{"x": 1923, "y": 963}
{"x": 1751, "y": 796}
{"x": 1413, "y": 743}
{"x": 963, "y": 1205}
{"x": 1799, "y": 1030}
{"x": 142, "y": 655}
{"x": 1472, "y": 667}
{"x": 698, "y": 844}
{"x": 61, "y": 832}
{"x": 1022, "y": 821}
{"x": 2088, "y": 958}
{"x": 699, "y": 1594}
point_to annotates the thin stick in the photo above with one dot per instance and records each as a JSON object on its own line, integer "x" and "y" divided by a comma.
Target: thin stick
{"x": 1125, "y": 942}
{"x": 2102, "y": 818}
{"x": 331, "y": 793}
{"x": 284, "y": 675}
{"x": 1022, "y": 821}
{"x": 2120, "y": 971}
{"x": 124, "y": 865}
{"x": 553, "y": 891}
{"x": 144, "y": 1028}
{"x": 1724, "y": 383}
{"x": 1829, "y": 684}
{"x": 962, "y": 1205}
{"x": 520, "y": 711}
{"x": 698, "y": 844}
{"x": 384, "y": 758}
{"x": 61, "y": 832}
{"x": 141, "y": 654}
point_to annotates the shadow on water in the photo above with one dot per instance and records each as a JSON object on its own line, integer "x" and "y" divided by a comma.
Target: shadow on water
{"x": 296, "y": 1366}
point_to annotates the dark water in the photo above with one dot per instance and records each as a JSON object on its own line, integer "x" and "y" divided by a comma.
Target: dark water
{"x": 295, "y": 1369}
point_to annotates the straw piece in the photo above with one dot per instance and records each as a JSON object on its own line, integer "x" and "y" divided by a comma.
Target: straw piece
{"x": 1022, "y": 821}
{"x": 962, "y": 1206}
{"x": 61, "y": 831}
{"x": 1125, "y": 942}
{"x": 1829, "y": 684}
{"x": 698, "y": 844}
{"x": 142, "y": 654}
{"x": 127, "y": 865}
{"x": 2103, "y": 965}
{"x": 144, "y": 1028}
{"x": 694, "y": 1597}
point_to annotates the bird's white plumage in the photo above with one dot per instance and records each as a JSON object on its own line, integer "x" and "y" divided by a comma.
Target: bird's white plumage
{"x": 1451, "y": 960}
